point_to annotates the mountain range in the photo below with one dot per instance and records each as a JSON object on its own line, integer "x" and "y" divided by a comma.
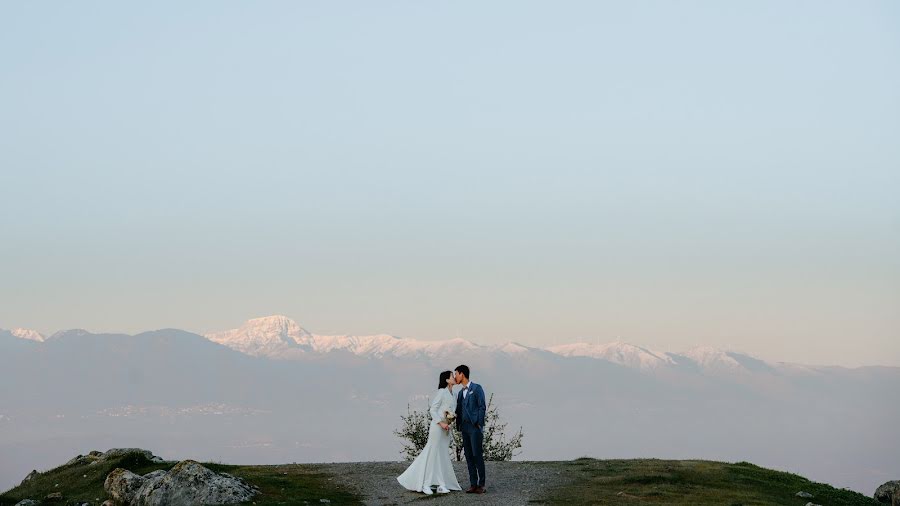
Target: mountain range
{"x": 271, "y": 391}
{"x": 281, "y": 338}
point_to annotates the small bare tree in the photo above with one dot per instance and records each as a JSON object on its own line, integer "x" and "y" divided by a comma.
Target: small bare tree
{"x": 414, "y": 434}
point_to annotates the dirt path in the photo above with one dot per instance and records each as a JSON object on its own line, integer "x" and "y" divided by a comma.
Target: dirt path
{"x": 508, "y": 483}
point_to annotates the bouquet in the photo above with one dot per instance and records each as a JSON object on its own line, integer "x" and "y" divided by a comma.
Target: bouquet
{"x": 449, "y": 417}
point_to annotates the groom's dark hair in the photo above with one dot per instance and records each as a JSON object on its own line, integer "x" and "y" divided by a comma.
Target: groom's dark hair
{"x": 464, "y": 369}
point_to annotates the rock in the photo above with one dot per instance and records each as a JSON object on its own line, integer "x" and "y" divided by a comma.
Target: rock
{"x": 32, "y": 475}
{"x": 888, "y": 492}
{"x": 54, "y": 497}
{"x": 90, "y": 458}
{"x": 28, "y": 502}
{"x": 122, "y": 485}
{"x": 805, "y": 495}
{"x": 108, "y": 502}
{"x": 812, "y": 504}
{"x": 154, "y": 474}
{"x": 121, "y": 452}
{"x": 190, "y": 483}
{"x": 79, "y": 459}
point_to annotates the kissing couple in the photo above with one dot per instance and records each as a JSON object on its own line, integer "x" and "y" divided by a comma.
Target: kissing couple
{"x": 466, "y": 409}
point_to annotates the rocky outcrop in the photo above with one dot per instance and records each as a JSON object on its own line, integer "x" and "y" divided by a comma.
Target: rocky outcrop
{"x": 95, "y": 456}
{"x": 122, "y": 485}
{"x": 888, "y": 493}
{"x": 188, "y": 483}
{"x": 121, "y": 452}
{"x": 32, "y": 475}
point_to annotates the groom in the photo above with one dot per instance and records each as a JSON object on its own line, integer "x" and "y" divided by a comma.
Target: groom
{"x": 470, "y": 410}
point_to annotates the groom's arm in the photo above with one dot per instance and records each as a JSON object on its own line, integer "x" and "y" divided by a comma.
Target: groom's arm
{"x": 482, "y": 408}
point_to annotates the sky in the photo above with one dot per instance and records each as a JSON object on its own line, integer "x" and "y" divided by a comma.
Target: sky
{"x": 667, "y": 174}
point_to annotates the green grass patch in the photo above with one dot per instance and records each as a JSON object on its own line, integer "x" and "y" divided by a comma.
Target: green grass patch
{"x": 290, "y": 484}
{"x": 79, "y": 481}
{"x": 293, "y": 484}
{"x": 690, "y": 482}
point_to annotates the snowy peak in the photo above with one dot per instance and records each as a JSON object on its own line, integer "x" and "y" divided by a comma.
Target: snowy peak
{"x": 264, "y": 336}
{"x": 280, "y": 337}
{"x": 277, "y": 324}
{"x": 617, "y": 352}
{"x": 512, "y": 348}
{"x": 714, "y": 360}
{"x": 385, "y": 345}
{"x": 66, "y": 334}
{"x": 709, "y": 357}
{"x": 31, "y": 335}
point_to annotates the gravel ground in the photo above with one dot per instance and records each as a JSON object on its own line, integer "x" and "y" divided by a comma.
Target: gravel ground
{"x": 508, "y": 483}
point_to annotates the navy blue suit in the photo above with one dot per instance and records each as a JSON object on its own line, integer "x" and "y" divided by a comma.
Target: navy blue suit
{"x": 470, "y": 412}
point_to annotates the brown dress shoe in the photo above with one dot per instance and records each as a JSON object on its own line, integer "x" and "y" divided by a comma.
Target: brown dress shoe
{"x": 480, "y": 490}
{"x": 471, "y": 490}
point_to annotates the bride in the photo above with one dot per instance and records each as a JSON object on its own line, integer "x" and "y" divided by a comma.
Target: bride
{"x": 432, "y": 466}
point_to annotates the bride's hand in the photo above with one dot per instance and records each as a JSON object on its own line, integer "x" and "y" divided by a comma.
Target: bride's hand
{"x": 444, "y": 425}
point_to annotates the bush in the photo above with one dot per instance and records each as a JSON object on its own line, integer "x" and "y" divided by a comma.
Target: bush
{"x": 414, "y": 434}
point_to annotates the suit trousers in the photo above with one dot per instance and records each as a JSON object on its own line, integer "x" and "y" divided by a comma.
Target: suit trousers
{"x": 473, "y": 441}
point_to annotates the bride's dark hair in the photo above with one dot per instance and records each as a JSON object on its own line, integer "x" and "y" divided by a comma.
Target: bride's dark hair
{"x": 442, "y": 382}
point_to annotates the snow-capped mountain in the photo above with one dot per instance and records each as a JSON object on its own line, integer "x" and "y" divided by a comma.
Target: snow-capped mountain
{"x": 64, "y": 334}
{"x": 29, "y": 334}
{"x": 279, "y": 337}
{"x": 708, "y": 357}
{"x": 714, "y": 360}
{"x": 617, "y": 352}
{"x": 271, "y": 336}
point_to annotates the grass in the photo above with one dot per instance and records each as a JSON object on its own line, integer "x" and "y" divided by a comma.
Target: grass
{"x": 584, "y": 481}
{"x": 78, "y": 481}
{"x": 289, "y": 484}
{"x": 690, "y": 482}
{"x": 292, "y": 484}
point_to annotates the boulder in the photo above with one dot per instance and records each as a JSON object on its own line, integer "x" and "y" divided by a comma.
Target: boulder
{"x": 889, "y": 492}
{"x": 80, "y": 459}
{"x": 90, "y": 458}
{"x": 28, "y": 502}
{"x": 122, "y": 485}
{"x": 32, "y": 475}
{"x": 805, "y": 495}
{"x": 188, "y": 483}
{"x": 121, "y": 452}
{"x": 53, "y": 497}
{"x": 154, "y": 474}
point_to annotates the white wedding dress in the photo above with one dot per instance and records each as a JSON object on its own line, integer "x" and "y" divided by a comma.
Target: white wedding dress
{"x": 432, "y": 466}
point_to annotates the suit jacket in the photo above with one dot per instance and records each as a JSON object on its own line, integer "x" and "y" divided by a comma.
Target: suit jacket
{"x": 472, "y": 407}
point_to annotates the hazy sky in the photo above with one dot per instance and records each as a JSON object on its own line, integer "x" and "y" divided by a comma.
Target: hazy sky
{"x": 669, "y": 173}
